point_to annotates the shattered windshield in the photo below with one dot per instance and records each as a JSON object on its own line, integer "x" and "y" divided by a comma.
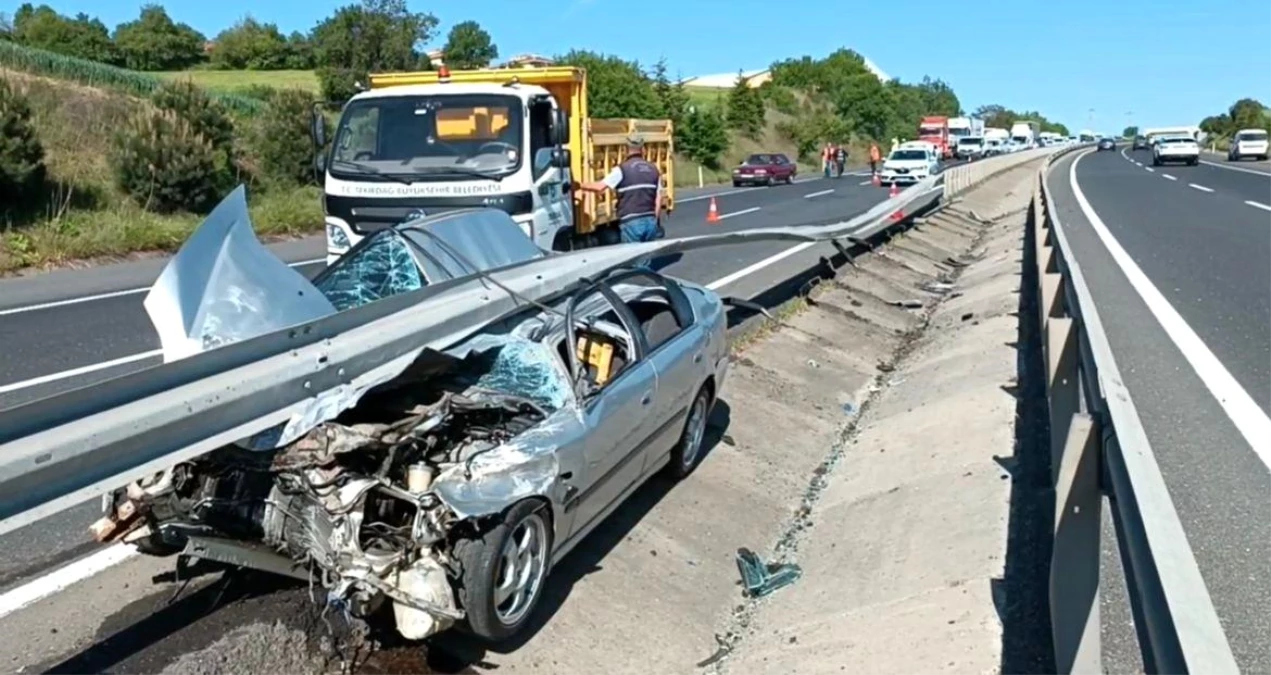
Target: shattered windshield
{"x": 384, "y": 267}
{"x": 435, "y": 137}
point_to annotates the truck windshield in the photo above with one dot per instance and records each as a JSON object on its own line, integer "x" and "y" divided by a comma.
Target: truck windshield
{"x": 1252, "y": 136}
{"x": 930, "y": 131}
{"x": 970, "y": 140}
{"x": 433, "y": 137}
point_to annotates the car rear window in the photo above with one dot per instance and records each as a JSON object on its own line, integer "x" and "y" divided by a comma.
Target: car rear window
{"x": 1252, "y": 136}
{"x": 1177, "y": 141}
{"x": 759, "y": 159}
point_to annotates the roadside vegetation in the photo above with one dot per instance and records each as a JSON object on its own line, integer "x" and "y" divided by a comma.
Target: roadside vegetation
{"x": 118, "y": 141}
{"x": 1247, "y": 113}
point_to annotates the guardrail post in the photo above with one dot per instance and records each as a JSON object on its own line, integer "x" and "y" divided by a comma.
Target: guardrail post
{"x": 1062, "y": 363}
{"x": 1074, "y": 576}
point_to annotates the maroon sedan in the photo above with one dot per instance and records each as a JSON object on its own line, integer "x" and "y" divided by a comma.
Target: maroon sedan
{"x": 764, "y": 169}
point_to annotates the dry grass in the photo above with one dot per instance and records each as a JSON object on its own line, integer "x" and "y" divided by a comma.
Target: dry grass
{"x": 83, "y": 214}
{"x": 235, "y": 81}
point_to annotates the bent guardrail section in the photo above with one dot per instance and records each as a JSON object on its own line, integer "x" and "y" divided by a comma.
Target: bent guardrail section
{"x": 1099, "y": 448}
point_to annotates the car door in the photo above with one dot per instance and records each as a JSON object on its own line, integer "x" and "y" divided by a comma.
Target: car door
{"x": 618, "y": 422}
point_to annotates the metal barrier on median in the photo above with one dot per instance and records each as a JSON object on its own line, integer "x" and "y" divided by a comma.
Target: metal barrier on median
{"x": 1098, "y": 448}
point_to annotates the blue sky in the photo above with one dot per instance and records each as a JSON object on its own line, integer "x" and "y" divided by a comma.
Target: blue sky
{"x": 1171, "y": 62}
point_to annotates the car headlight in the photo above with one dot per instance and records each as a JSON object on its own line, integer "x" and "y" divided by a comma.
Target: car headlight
{"x": 336, "y": 237}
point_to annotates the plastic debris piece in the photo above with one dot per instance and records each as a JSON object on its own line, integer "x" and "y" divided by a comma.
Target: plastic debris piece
{"x": 759, "y": 579}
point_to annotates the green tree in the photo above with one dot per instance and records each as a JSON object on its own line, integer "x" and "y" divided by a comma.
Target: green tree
{"x": 299, "y": 52}
{"x": 250, "y": 45}
{"x": 22, "y": 170}
{"x": 615, "y": 88}
{"x": 155, "y": 42}
{"x": 375, "y": 35}
{"x": 745, "y": 108}
{"x": 280, "y": 139}
{"x": 82, "y": 37}
{"x": 704, "y": 137}
{"x": 164, "y": 164}
{"x": 938, "y": 98}
{"x": 1129, "y": 132}
{"x": 207, "y": 121}
{"x": 672, "y": 97}
{"x": 469, "y": 46}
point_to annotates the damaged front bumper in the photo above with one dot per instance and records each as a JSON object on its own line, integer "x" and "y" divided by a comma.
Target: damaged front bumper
{"x": 370, "y": 506}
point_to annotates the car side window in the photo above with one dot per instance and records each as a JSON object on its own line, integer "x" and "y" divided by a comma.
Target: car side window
{"x": 603, "y": 348}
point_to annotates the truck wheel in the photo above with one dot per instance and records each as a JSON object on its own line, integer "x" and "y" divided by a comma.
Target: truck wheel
{"x": 565, "y": 240}
{"x": 503, "y": 572}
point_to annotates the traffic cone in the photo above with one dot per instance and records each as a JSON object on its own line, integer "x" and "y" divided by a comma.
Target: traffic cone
{"x": 893, "y": 192}
{"x": 712, "y": 215}
{"x": 877, "y": 181}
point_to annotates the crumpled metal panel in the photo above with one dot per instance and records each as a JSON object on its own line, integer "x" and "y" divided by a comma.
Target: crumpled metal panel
{"x": 485, "y": 238}
{"x": 383, "y": 268}
{"x": 526, "y": 467}
{"x": 224, "y": 286}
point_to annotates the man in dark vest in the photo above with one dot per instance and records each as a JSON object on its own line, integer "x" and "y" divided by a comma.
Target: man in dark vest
{"x": 639, "y": 188}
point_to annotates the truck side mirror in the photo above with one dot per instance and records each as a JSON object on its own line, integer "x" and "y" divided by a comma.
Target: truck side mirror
{"x": 317, "y": 129}
{"x": 561, "y": 158}
{"x": 560, "y": 128}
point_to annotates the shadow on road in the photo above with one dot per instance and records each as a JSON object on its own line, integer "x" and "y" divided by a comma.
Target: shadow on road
{"x": 1022, "y": 597}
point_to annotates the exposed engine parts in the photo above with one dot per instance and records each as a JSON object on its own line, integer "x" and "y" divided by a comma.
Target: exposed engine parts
{"x": 352, "y": 500}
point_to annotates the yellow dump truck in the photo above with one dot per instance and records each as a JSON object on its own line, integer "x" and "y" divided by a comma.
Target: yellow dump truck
{"x": 513, "y": 139}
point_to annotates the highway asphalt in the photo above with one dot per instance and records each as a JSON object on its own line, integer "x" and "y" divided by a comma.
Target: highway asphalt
{"x": 1202, "y": 237}
{"x": 59, "y": 329}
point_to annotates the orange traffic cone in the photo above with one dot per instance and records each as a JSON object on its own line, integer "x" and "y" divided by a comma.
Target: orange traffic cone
{"x": 877, "y": 181}
{"x": 894, "y": 191}
{"x": 712, "y": 215}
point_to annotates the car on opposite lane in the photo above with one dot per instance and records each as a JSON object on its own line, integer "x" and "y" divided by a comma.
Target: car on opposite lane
{"x": 1248, "y": 143}
{"x": 765, "y": 169}
{"x": 1106, "y": 144}
{"x": 1182, "y": 149}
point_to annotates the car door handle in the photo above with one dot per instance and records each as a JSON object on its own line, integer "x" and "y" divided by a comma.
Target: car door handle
{"x": 697, "y": 358}
{"x": 644, "y": 400}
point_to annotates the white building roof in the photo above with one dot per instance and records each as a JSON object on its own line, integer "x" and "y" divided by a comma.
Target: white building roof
{"x": 726, "y": 80}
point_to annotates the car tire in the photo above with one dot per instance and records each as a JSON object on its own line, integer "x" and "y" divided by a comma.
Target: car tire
{"x": 771, "y": 182}
{"x": 687, "y": 453}
{"x": 482, "y": 570}
{"x": 736, "y": 184}
{"x": 1262, "y": 158}
{"x": 1193, "y": 162}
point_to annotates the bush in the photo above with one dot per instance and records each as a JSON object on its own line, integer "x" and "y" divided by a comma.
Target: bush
{"x": 22, "y": 169}
{"x": 340, "y": 84}
{"x": 281, "y": 142}
{"x": 207, "y": 117}
{"x": 163, "y": 163}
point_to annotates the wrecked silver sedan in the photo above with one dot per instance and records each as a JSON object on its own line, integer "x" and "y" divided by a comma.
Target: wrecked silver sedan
{"x": 450, "y": 489}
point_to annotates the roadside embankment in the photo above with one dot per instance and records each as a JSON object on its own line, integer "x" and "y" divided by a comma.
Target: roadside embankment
{"x": 904, "y": 550}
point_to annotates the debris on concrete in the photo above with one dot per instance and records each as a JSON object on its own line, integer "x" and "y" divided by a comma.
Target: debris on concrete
{"x": 759, "y": 579}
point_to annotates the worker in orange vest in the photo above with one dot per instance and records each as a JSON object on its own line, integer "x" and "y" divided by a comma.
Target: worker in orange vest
{"x": 874, "y": 158}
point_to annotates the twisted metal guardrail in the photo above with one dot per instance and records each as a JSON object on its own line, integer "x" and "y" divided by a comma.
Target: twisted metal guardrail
{"x": 59, "y": 451}
{"x": 1098, "y": 448}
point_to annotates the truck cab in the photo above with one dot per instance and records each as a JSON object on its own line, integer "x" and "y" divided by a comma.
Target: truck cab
{"x": 418, "y": 144}
{"x": 935, "y": 129}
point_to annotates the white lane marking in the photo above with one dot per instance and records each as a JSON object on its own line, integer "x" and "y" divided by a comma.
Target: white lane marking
{"x": 1150, "y": 169}
{"x": 742, "y": 212}
{"x": 818, "y": 194}
{"x": 63, "y": 577}
{"x": 82, "y": 370}
{"x": 1240, "y": 407}
{"x": 1241, "y": 169}
{"x": 1258, "y": 205}
{"x": 751, "y": 269}
{"x": 1202, "y": 188}
{"x": 866, "y": 182}
{"x": 1140, "y": 164}
{"x": 112, "y": 294}
{"x": 725, "y": 193}
{"x": 1166, "y": 175}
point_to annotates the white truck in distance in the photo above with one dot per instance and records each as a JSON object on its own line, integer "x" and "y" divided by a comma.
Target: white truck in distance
{"x": 963, "y": 127}
{"x": 1024, "y": 134}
